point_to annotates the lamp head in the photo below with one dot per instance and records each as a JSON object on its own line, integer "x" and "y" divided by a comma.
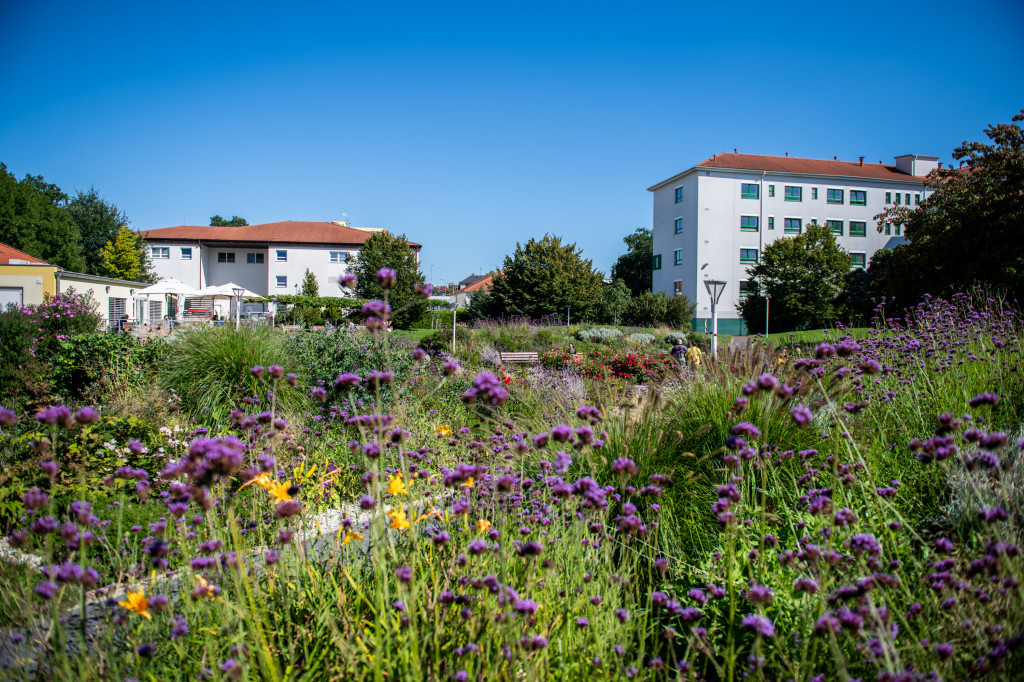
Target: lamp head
{"x": 715, "y": 288}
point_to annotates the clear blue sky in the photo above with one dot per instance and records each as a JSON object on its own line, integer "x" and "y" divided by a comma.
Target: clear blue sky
{"x": 472, "y": 126}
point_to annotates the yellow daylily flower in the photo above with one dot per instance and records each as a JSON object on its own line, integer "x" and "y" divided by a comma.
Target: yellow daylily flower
{"x": 399, "y": 521}
{"x": 279, "y": 491}
{"x": 396, "y": 486}
{"x": 483, "y": 525}
{"x": 443, "y": 430}
{"x": 426, "y": 515}
{"x": 263, "y": 480}
{"x": 468, "y": 483}
{"x": 137, "y": 603}
{"x": 350, "y": 535}
{"x": 205, "y": 589}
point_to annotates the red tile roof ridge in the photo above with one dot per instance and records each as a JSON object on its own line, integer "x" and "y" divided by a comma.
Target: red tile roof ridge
{"x": 9, "y": 252}
{"x": 793, "y": 164}
{"x": 285, "y": 231}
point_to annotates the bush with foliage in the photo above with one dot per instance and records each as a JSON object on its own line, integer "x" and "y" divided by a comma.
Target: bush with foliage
{"x": 383, "y": 250}
{"x": 598, "y": 335}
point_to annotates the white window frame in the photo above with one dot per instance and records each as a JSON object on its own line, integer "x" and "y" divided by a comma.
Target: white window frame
{"x": 282, "y": 281}
{"x": 160, "y": 252}
{"x": 281, "y": 255}
{"x": 186, "y": 253}
{"x": 339, "y": 256}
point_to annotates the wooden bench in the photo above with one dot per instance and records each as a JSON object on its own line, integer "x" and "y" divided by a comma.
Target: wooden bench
{"x": 520, "y": 359}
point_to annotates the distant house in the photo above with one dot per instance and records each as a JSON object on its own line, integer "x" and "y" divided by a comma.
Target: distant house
{"x": 27, "y": 280}
{"x": 464, "y": 293}
{"x": 267, "y": 259}
{"x": 472, "y": 279}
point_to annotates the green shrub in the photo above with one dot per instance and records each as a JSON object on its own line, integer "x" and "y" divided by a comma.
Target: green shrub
{"x": 642, "y": 337}
{"x": 209, "y": 370}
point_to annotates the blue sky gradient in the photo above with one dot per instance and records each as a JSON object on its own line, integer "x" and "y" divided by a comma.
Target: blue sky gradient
{"x": 471, "y": 126}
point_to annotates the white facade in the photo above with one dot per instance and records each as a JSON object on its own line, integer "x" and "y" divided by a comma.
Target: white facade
{"x": 722, "y": 219}
{"x": 278, "y": 269}
{"x": 268, "y": 259}
{"x": 114, "y": 297}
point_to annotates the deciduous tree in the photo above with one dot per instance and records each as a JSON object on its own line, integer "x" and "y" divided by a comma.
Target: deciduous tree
{"x": 383, "y": 250}
{"x": 802, "y": 275}
{"x": 218, "y": 221}
{"x": 634, "y": 266}
{"x": 544, "y": 277}
{"x": 98, "y": 223}
{"x": 33, "y": 219}
{"x": 969, "y": 230}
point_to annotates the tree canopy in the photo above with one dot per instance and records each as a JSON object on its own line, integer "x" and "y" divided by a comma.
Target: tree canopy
{"x": 544, "y": 277}
{"x": 218, "y": 221}
{"x": 969, "y": 230}
{"x": 33, "y": 219}
{"x": 382, "y": 250}
{"x": 803, "y": 276}
{"x": 98, "y": 223}
{"x": 126, "y": 257}
{"x": 634, "y": 266}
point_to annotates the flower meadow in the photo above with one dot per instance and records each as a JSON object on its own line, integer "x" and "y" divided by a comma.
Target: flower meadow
{"x": 851, "y": 513}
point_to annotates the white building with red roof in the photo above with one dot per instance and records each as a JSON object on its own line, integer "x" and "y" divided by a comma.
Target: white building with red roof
{"x": 267, "y": 259}
{"x": 712, "y": 221}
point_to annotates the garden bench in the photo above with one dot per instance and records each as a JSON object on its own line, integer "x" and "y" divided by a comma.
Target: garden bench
{"x": 520, "y": 358}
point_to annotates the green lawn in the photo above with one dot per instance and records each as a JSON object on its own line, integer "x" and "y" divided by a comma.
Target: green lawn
{"x": 816, "y": 335}
{"x": 415, "y": 335}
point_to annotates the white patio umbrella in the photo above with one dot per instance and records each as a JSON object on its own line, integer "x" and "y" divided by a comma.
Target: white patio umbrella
{"x": 226, "y": 291}
{"x": 169, "y": 287}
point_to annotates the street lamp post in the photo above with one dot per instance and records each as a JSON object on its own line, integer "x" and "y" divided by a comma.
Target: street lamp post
{"x": 715, "y": 288}
{"x": 238, "y": 291}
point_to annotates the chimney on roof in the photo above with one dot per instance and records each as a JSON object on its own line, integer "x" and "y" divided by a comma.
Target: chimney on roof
{"x": 735, "y": 151}
{"x": 862, "y": 160}
{"x": 787, "y": 155}
{"x": 835, "y": 158}
{"x": 715, "y": 157}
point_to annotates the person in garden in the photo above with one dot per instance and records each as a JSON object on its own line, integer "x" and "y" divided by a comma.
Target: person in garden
{"x": 694, "y": 356}
{"x": 677, "y": 350}
{"x": 572, "y": 349}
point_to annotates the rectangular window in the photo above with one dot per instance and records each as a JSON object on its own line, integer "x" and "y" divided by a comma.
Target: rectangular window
{"x": 679, "y": 257}
{"x": 836, "y": 226}
{"x": 906, "y": 198}
{"x": 282, "y": 281}
{"x": 814, "y": 193}
{"x": 858, "y": 260}
{"x": 897, "y": 198}
{"x": 834, "y": 196}
{"x": 896, "y": 229}
{"x": 858, "y": 228}
{"x": 656, "y": 262}
{"x": 749, "y": 223}
{"x": 748, "y": 255}
{"x": 160, "y": 252}
{"x": 747, "y": 288}
{"x": 677, "y": 287}
{"x": 679, "y": 225}
{"x": 917, "y": 200}
{"x": 281, "y": 255}
{"x": 257, "y": 258}
{"x": 679, "y": 194}
{"x": 791, "y": 225}
{"x": 771, "y": 190}
{"x": 339, "y": 256}
{"x": 794, "y": 193}
{"x": 186, "y": 253}
{"x": 749, "y": 191}
{"x": 888, "y": 197}
{"x": 858, "y": 197}
{"x": 225, "y": 256}
{"x": 888, "y": 228}
{"x": 771, "y": 222}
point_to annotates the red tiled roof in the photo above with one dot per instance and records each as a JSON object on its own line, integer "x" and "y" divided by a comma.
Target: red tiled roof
{"x": 482, "y": 284}
{"x": 8, "y": 253}
{"x": 789, "y": 164}
{"x": 287, "y": 232}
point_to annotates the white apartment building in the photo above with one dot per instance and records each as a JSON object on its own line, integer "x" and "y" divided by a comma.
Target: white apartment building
{"x": 713, "y": 220}
{"x": 267, "y": 259}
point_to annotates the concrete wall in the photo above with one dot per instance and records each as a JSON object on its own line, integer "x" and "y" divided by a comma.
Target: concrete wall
{"x": 712, "y": 208}
{"x": 35, "y": 281}
{"x": 135, "y": 306}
